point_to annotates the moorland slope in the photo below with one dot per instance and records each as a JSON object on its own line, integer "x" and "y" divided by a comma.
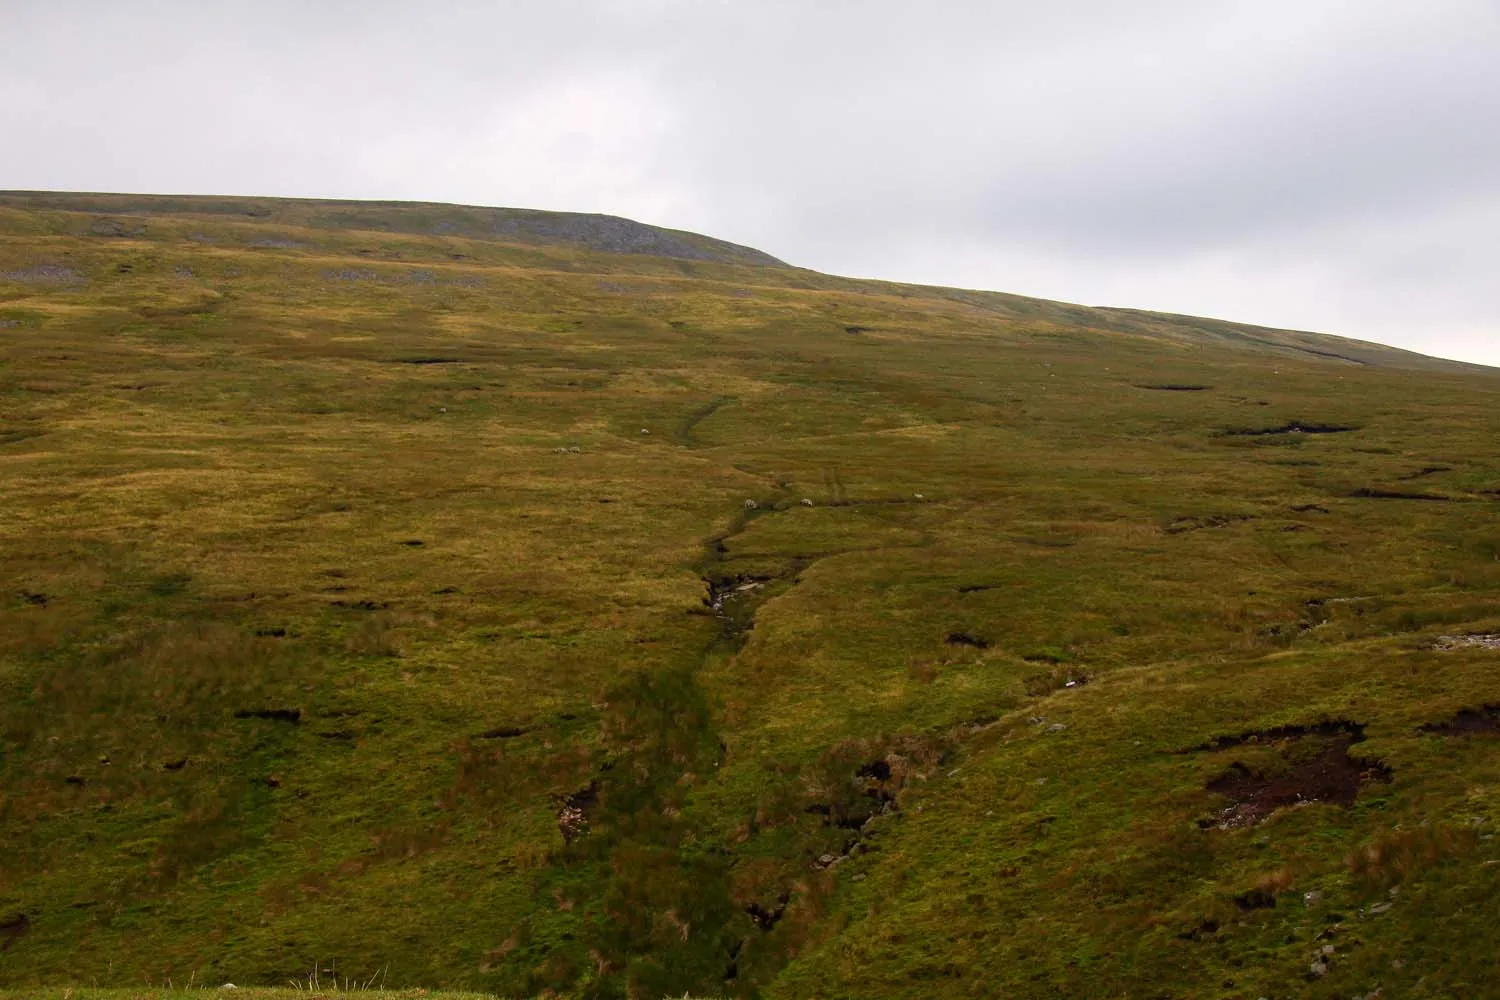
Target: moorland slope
{"x": 525, "y": 602}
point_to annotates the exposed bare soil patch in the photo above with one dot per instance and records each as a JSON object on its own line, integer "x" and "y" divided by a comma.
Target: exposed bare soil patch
{"x": 1311, "y": 764}
{"x": 1427, "y": 470}
{"x": 1373, "y": 493}
{"x": 967, "y": 639}
{"x": 292, "y": 715}
{"x": 12, "y": 929}
{"x": 1291, "y": 427}
{"x": 502, "y": 733}
{"x": 1331, "y": 776}
{"x": 1468, "y": 721}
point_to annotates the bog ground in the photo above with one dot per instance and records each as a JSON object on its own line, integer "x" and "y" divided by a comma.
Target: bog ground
{"x": 523, "y": 603}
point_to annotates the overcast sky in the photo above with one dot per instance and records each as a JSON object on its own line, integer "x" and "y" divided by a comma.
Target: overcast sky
{"x": 1319, "y": 164}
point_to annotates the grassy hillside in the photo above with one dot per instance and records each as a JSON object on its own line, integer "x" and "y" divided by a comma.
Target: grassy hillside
{"x": 521, "y": 614}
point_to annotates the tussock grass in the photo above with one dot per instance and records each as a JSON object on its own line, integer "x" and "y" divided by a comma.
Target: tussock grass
{"x": 246, "y": 993}
{"x": 347, "y": 611}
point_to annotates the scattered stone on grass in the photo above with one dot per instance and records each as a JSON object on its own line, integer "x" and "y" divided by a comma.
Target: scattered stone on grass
{"x": 573, "y": 814}
{"x": 44, "y": 274}
{"x": 1487, "y": 641}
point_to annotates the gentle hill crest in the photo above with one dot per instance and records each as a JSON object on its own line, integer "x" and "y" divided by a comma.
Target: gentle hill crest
{"x": 590, "y": 231}
{"x": 110, "y": 215}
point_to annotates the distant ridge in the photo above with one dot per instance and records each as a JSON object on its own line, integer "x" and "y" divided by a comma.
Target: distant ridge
{"x": 284, "y": 223}
{"x": 604, "y": 233}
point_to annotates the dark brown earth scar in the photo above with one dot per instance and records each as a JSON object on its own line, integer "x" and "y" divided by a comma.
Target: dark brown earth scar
{"x": 1309, "y": 508}
{"x": 1327, "y": 728}
{"x": 427, "y": 361}
{"x": 974, "y": 588}
{"x": 502, "y": 733}
{"x": 1371, "y": 493}
{"x": 1174, "y": 387}
{"x": 767, "y": 917}
{"x": 856, "y": 329}
{"x": 573, "y": 812}
{"x": 1331, "y": 775}
{"x": 1330, "y": 354}
{"x": 1207, "y": 928}
{"x": 1468, "y": 721}
{"x": 1291, "y": 427}
{"x": 878, "y": 783}
{"x": 965, "y": 639}
{"x": 12, "y": 929}
{"x": 292, "y": 715}
{"x": 1185, "y": 524}
{"x": 358, "y": 605}
{"x": 1255, "y": 899}
{"x": 1427, "y": 470}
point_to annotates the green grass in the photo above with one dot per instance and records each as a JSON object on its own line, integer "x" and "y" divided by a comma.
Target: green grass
{"x": 249, "y": 725}
{"x": 238, "y": 993}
